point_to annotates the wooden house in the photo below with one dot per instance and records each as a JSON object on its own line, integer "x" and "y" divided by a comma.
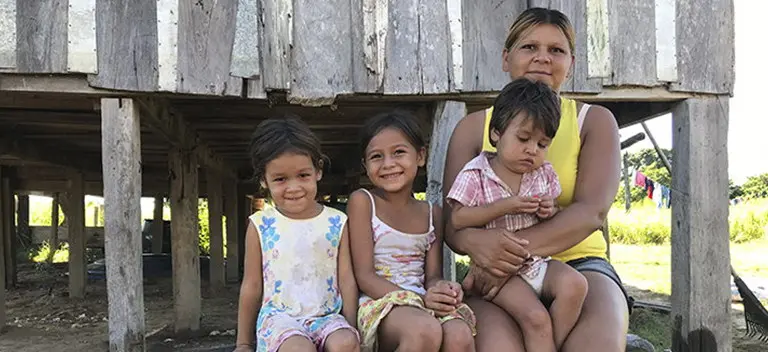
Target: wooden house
{"x": 158, "y": 98}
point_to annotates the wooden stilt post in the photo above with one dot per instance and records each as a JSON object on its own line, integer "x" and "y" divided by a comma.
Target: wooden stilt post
{"x": 243, "y": 212}
{"x": 701, "y": 296}
{"x": 121, "y": 160}
{"x": 53, "y": 242}
{"x": 76, "y": 235}
{"x": 233, "y": 252}
{"x": 22, "y": 209}
{"x": 158, "y": 226}
{"x": 445, "y": 117}
{"x": 2, "y": 265}
{"x": 9, "y": 229}
{"x": 215, "y": 227}
{"x": 184, "y": 240}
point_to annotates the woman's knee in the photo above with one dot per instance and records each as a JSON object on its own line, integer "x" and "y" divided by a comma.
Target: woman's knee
{"x": 457, "y": 336}
{"x": 604, "y": 318}
{"x": 495, "y": 327}
{"x": 342, "y": 340}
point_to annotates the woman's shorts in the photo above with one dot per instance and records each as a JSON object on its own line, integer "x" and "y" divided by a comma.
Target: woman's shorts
{"x": 600, "y": 265}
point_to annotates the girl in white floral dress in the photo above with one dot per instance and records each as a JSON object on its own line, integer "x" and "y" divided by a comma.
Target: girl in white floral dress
{"x": 298, "y": 277}
{"x": 396, "y": 245}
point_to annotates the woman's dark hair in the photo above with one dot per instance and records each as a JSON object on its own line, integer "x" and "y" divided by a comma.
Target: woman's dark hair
{"x": 529, "y": 99}
{"x": 276, "y": 136}
{"x": 404, "y": 121}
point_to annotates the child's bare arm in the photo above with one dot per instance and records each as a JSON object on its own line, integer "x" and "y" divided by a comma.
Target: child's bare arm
{"x": 360, "y": 210}
{"x": 347, "y": 284}
{"x": 251, "y": 289}
{"x": 478, "y": 216}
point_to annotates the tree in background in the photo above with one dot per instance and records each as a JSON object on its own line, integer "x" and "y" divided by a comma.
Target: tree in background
{"x": 734, "y": 191}
{"x": 756, "y": 186}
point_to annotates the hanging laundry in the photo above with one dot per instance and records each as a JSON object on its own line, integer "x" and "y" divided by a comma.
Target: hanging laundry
{"x": 649, "y": 187}
{"x": 657, "y": 194}
{"x": 639, "y": 179}
{"x": 665, "y": 196}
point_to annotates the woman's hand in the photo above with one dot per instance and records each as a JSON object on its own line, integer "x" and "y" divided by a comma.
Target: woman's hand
{"x": 482, "y": 283}
{"x": 443, "y": 297}
{"x": 498, "y": 251}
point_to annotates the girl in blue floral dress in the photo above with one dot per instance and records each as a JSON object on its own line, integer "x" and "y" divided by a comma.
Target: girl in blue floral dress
{"x": 298, "y": 290}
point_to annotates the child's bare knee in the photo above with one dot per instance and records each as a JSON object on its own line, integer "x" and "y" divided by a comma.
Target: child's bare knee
{"x": 574, "y": 287}
{"x": 426, "y": 335}
{"x": 535, "y": 318}
{"x": 342, "y": 340}
{"x": 457, "y": 336}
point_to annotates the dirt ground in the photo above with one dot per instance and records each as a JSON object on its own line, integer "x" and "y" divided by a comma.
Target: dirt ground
{"x": 42, "y": 317}
{"x": 741, "y": 343}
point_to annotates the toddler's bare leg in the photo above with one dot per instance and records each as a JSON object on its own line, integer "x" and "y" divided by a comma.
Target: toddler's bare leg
{"x": 522, "y": 303}
{"x": 568, "y": 289}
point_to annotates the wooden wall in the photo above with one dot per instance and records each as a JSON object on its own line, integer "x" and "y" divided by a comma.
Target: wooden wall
{"x": 318, "y": 50}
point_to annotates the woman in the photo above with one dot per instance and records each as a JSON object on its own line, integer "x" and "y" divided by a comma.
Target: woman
{"x": 585, "y": 154}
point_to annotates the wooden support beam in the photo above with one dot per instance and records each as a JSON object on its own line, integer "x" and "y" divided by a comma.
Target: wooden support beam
{"x": 2, "y": 264}
{"x": 446, "y": 114}
{"x": 243, "y": 212}
{"x": 53, "y": 242}
{"x": 9, "y": 232}
{"x": 22, "y": 209}
{"x": 158, "y": 226}
{"x": 215, "y": 227}
{"x": 233, "y": 240}
{"x": 48, "y": 153}
{"x": 76, "y": 236}
{"x": 701, "y": 295}
{"x": 172, "y": 126}
{"x": 184, "y": 240}
{"x": 121, "y": 155}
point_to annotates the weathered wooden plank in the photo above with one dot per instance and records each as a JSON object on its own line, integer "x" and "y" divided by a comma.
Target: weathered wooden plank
{"x": 434, "y": 46}
{"x": 245, "y": 50}
{"x": 666, "y": 40}
{"x": 445, "y": 117}
{"x": 576, "y": 11}
{"x": 2, "y": 263}
{"x": 364, "y": 77}
{"x": 76, "y": 236}
{"x": 184, "y": 240}
{"x": 121, "y": 155}
{"x": 230, "y": 211}
{"x": 403, "y": 67}
{"x": 456, "y": 30}
{"x": 321, "y": 60}
{"x": 127, "y": 45}
{"x": 7, "y": 33}
{"x": 694, "y": 19}
{"x": 157, "y": 226}
{"x": 41, "y": 39}
{"x": 598, "y": 39}
{"x": 215, "y": 203}
{"x": 206, "y": 32}
{"x": 81, "y": 37}
{"x": 701, "y": 296}
{"x": 633, "y": 43}
{"x": 277, "y": 40}
{"x": 486, "y": 24}
{"x": 167, "y": 45}
{"x": 255, "y": 88}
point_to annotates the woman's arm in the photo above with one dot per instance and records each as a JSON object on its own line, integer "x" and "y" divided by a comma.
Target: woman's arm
{"x": 596, "y": 186}
{"x": 359, "y": 210}
{"x": 251, "y": 289}
{"x": 496, "y": 250}
{"x": 347, "y": 284}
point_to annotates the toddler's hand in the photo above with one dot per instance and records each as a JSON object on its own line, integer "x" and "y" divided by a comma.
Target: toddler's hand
{"x": 547, "y": 208}
{"x": 442, "y": 297}
{"x": 516, "y": 205}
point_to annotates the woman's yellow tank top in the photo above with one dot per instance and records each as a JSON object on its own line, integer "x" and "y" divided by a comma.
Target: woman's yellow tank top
{"x": 564, "y": 155}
